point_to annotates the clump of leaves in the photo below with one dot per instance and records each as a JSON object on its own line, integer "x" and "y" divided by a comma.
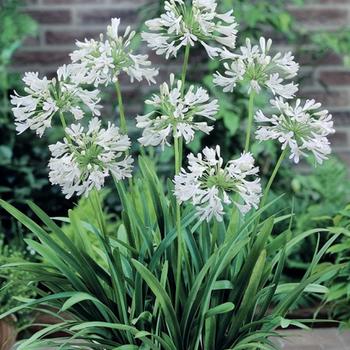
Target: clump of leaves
{"x": 231, "y": 295}
{"x": 13, "y": 288}
{"x": 338, "y": 299}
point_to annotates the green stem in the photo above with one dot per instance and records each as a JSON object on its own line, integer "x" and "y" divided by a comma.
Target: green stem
{"x": 63, "y": 121}
{"x": 123, "y": 126}
{"x": 272, "y": 178}
{"x": 97, "y": 208}
{"x": 250, "y": 121}
{"x": 64, "y": 125}
{"x": 184, "y": 68}
{"x": 178, "y": 145}
{"x": 178, "y": 228}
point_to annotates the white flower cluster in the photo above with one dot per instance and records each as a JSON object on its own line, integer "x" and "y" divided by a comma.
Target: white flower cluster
{"x": 102, "y": 61}
{"x": 86, "y": 157}
{"x": 302, "y": 127}
{"x": 259, "y": 69}
{"x": 176, "y": 114}
{"x": 208, "y": 183}
{"x": 183, "y": 25}
{"x": 46, "y": 97}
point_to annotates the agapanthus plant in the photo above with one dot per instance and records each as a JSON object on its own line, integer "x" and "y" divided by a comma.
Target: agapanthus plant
{"x": 86, "y": 157}
{"x": 299, "y": 128}
{"x": 46, "y": 98}
{"x": 103, "y": 60}
{"x": 185, "y": 23}
{"x": 176, "y": 113}
{"x": 208, "y": 183}
{"x": 192, "y": 265}
{"x": 259, "y": 69}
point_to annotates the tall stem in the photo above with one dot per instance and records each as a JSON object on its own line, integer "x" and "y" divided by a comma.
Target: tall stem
{"x": 178, "y": 145}
{"x": 272, "y": 178}
{"x": 64, "y": 125}
{"x": 178, "y": 227}
{"x": 184, "y": 68}
{"x": 250, "y": 121}
{"x": 63, "y": 121}
{"x": 123, "y": 126}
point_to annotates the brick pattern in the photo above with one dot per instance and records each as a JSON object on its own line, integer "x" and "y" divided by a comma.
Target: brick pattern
{"x": 64, "y": 21}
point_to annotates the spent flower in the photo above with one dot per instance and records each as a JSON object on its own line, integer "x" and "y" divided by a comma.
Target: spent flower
{"x": 255, "y": 66}
{"x": 45, "y": 98}
{"x": 176, "y": 114}
{"x": 301, "y": 127}
{"x": 87, "y": 156}
{"x": 183, "y": 25}
{"x": 208, "y": 184}
{"x": 103, "y": 60}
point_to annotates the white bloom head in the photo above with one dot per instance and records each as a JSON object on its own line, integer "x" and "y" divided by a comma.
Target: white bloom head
{"x": 83, "y": 160}
{"x": 208, "y": 184}
{"x": 176, "y": 114}
{"x": 103, "y": 60}
{"x": 301, "y": 127}
{"x": 45, "y": 98}
{"x": 255, "y": 66}
{"x": 183, "y": 25}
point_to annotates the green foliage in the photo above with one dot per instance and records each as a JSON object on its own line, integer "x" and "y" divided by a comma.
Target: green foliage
{"x": 84, "y": 212}
{"x": 338, "y": 299}
{"x": 313, "y": 193}
{"x": 23, "y": 164}
{"x": 337, "y": 42}
{"x": 15, "y": 26}
{"x": 230, "y": 295}
{"x": 12, "y": 285}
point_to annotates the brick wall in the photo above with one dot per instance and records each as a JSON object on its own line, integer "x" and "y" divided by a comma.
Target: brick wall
{"x": 64, "y": 21}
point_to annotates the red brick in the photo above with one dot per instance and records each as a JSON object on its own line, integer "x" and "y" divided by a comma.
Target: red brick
{"x": 40, "y": 57}
{"x": 50, "y": 16}
{"x": 316, "y": 59}
{"x": 328, "y": 98}
{"x": 321, "y": 16}
{"x": 345, "y": 157}
{"x": 341, "y": 118}
{"x": 63, "y": 37}
{"x": 339, "y": 139}
{"x": 31, "y": 41}
{"x": 97, "y": 16}
{"x": 335, "y": 77}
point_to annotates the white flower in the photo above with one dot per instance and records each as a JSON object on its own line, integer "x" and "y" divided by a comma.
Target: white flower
{"x": 299, "y": 127}
{"x": 45, "y": 98}
{"x": 183, "y": 25}
{"x": 176, "y": 115}
{"x": 208, "y": 184}
{"x": 255, "y": 66}
{"x": 87, "y": 156}
{"x": 103, "y": 60}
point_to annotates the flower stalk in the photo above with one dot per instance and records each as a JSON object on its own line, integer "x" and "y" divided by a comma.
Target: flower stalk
{"x": 178, "y": 152}
{"x": 184, "y": 68}
{"x": 272, "y": 177}
{"x": 178, "y": 145}
{"x": 123, "y": 126}
{"x": 250, "y": 121}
